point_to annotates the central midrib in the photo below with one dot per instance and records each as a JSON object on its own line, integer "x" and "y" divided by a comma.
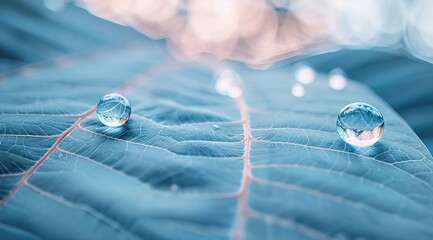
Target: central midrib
{"x": 122, "y": 89}
{"x": 242, "y": 210}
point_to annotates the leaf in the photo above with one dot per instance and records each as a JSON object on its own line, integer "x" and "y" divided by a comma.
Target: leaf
{"x": 53, "y": 34}
{"x": 273, "y": 168}
{"x": 403, "y": 82}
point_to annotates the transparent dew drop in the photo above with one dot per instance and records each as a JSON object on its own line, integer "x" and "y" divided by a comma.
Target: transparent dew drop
{"x": 216, "y": 127}
{"x": 304, "y": 74}
{"x": 113, "y": 110}
{"x": 360, "y": 124}
{"x": 298, "y": 90}
{"x": 228, "y": 83}
{"x": 337, "y": 79}
{"x": 58, "y": 154}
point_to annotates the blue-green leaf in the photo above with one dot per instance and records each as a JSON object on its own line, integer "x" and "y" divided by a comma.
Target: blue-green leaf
{"x": 273, "y": 167}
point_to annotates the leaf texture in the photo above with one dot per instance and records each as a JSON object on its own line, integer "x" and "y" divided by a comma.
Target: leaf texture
{"x": 192, "y": 164}
{"x": 403, "y": 82}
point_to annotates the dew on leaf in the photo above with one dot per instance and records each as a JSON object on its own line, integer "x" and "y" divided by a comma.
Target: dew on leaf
{"x": 113, "y": 110}
{"x": 360, "y": 124}
{"x": 58, "y": 154}
{"x": 228, "y": 83}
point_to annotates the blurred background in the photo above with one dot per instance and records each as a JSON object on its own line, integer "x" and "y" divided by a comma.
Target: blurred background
{"x": 386, "y": 44}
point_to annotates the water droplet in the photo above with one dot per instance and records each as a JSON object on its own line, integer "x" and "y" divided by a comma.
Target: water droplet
{"x": 337, "y": 79}
{"x": 56, "y": 5}
{"x": 113, "y": 110}
{"x": 304, "y": 74}
{"x": 58, "y": 154}
{"x": 228, "y": 83}
{"x": 298, "y": 90}
{"x": 360, "y": 124}
{"x": 216, "y": 127}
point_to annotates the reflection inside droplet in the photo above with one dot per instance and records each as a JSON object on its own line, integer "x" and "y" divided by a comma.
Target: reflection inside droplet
{"x": 360, "y": 124}
{"x": 304, "y": 74}
{"x": 298, "y": 90}
{"x": 228, "y": 83}
{"x": 113, "y": 110}
{"x": 337, "y": 79}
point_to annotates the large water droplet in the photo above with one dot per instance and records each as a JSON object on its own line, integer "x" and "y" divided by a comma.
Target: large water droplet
{"x": 113, "y": 110}
{"x": 228, "y": 83}
{"x": 360, "y": 124}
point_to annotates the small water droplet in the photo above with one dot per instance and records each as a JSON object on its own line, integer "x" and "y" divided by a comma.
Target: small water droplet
{"x": 337, "y": 79}
{"x": 360, "y": 124}
{"x": 228, "y": 83}
{"x": 216, "y": 127}
{"x": 56, "y": 5}
{"x": 304, "y": 74}
{"x": 174, "y": 187}
{"x": 58, "y": 154}
{"x": 298, "y": 90}
{"x": 113, "y": 110}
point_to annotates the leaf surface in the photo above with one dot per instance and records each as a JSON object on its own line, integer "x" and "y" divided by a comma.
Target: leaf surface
{"x": 192, "y": 164}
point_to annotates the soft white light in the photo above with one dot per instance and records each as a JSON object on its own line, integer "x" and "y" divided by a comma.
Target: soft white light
{"x": 228, "y": 83}
{"x": 305, "y": 74}
{"x": 213, "y": 20}
{"x": 298, "y": 90}
{"x": 419, "y": 35}
{"x": 337, "y": 79}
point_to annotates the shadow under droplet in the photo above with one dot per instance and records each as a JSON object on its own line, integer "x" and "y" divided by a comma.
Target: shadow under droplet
{"x": 115, "y": 132}
{"x": 375, "y": 150}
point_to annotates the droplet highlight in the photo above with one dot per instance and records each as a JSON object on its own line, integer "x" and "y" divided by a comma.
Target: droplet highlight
{"x": 360, "y": 124}
{"x": 113, "y": 110}
{"x": 216, "y": 127}
{"x": 228, "y": 83}
{"x": 337, "y": 79}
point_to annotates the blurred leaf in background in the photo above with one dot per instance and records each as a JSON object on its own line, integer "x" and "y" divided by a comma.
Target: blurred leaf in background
{"x": 30, "y": 32}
